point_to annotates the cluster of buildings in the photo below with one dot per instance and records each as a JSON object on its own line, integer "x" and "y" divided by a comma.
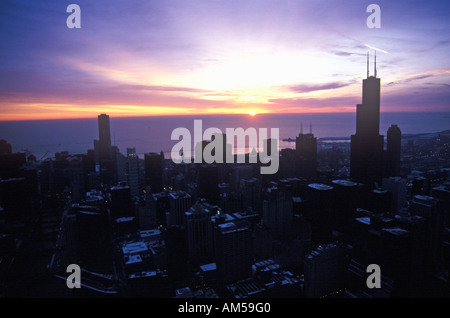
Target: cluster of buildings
{"x": 149, "y": 227}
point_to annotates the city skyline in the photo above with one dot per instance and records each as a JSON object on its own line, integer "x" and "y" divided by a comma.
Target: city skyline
{"x": 222, "y": 57}
{"x": 129, "y": 227}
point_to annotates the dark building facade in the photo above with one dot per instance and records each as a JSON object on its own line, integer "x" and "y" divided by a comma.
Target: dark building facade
{"x": 366, "y": 156}
{"x": 306, "y": 153}
{"x": 154, "y": 164}
{"x": 393, "y": 151}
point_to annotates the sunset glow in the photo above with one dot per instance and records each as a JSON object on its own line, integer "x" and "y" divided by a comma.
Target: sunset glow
{"x": 221, "y": 57}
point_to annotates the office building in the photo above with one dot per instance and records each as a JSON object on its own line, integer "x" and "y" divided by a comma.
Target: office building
{"x": 366, "y": 157}
{"x": 393, "y": 151}
{"x": 431, "y": 209}
{"x": 277, "y": 212}
{"x": 306, "y": 155}
{"x": 132, "y": 171}
{"x": 233, "y": 252}
{"x": 199, "y": 232}
{"x": 154, "y": 165}
{"x": 325, "y": 270}
{"x": 180, "y": 202}
{"x": 319, "y": 212}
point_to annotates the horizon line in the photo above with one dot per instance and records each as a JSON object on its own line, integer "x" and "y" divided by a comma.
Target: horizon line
{"x": 211, "y": 114}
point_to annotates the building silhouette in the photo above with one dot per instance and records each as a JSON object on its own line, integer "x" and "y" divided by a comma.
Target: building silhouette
{"x": 366, "y": 156}
{"x": 306, "y": 153}
{"x": 325, "y": 270}
{"x": 319, "y": 212}
{"x": 393, "y": 151}
{"x": 93, "y": 233}
{"x": 277, "y": 212}
{"x": 179, "y": 202}
{"x": 132, "y": 171}
{"x": 104, "y": 158}
{"x": 5, "y": 147}
{"x": 199, "y": 232}
{"x": 153, "y": 165}
{"x": 233, "y": 251}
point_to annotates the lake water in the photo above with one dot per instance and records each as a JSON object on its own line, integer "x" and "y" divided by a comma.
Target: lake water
{"x": 152, "y": 134}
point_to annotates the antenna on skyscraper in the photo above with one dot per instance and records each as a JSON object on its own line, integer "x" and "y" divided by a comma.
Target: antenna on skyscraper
{"x": 301, "y": 128}
{"x": 375, "y": 67}
{"x": 367, "y": 64}
{"x": 310, "y": 128}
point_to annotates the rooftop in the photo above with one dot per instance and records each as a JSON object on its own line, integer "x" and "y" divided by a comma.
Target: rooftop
{"x": 396, "y": 231}
{"x": 134, "y": 248}
{"x": 320, "y": 186}
{"x": 133, "y": 259}
{"x": 208, "y": 267}
{"x": 345, "y": 183}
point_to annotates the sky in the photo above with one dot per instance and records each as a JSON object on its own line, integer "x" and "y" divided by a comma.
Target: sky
{"x": 176, "y": 57}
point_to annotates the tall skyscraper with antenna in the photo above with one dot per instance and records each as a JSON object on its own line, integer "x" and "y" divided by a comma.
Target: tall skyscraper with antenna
{"x": 366, "y": 158}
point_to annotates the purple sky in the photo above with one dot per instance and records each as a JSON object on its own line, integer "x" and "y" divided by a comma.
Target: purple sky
{"x": 136, "y": 57}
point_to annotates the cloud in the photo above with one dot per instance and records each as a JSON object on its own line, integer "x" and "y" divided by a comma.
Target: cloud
{"x": 306, "y": 88}
{"x": 160, "y": 88}
{"x": 332, "y": 104}
{"x": 417, "y": 77}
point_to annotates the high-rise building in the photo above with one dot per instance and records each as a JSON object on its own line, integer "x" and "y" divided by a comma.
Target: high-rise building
{"x": 325, "y": 270}
{"x": 346, "y": 196}
{"x": 121, "y": 204}
{"x": 233, "y": 252}
{"x": 431, "y": 209}
{"x": 5, "y": 147}
{"x": 199, "y": 232}
{"x": 278, "y": 212}
{"x": 132, "y": 171}
{"x": 397, "y": 187}
{"x": 208, "y": 183}
{"x": 146, "y": 211}
{"x": 179, "y": 202}
{"x": 177, "y": 252}
{"x": 104, "y": 132}
{"x": 393, "y": 151}
{"x": 154, "y": 164}
{"x": 104, "y": 158}
{"x": 93, "y": 238}
{"x": 250, "y": 191}
{"x": 319, "y": 211}
{"x": 306, "y": 150}
{"x": 366, "y": 157}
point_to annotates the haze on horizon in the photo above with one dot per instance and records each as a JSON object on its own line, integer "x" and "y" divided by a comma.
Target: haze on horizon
{"x": 175, "y": 57}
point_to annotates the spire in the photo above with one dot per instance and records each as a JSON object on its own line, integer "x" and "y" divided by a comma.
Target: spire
{"x": 367, "y": 64}
{"x": 301, "y": 128}
{"x": 375, "y": 66}
{"x": 310, "y": 128}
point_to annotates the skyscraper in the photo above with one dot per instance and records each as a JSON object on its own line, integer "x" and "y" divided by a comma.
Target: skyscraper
{"x": 105, "y": 162}
{"x": 394, "y": 144}
{"x": 325, "y": 269}
{"x": 366, "y": 157}
{"x": 233, "y": 252}
{"x": 319, "y": 213}
{"x": 306, "y": 150}
{"x": 104, "y": 137}
{"x": 132, "y": 171}
{"x": 154, "y": 164}
{"x": 179, "y": 202}
{"x": 199, "y": 232}
{"x": 277, "y": 213}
